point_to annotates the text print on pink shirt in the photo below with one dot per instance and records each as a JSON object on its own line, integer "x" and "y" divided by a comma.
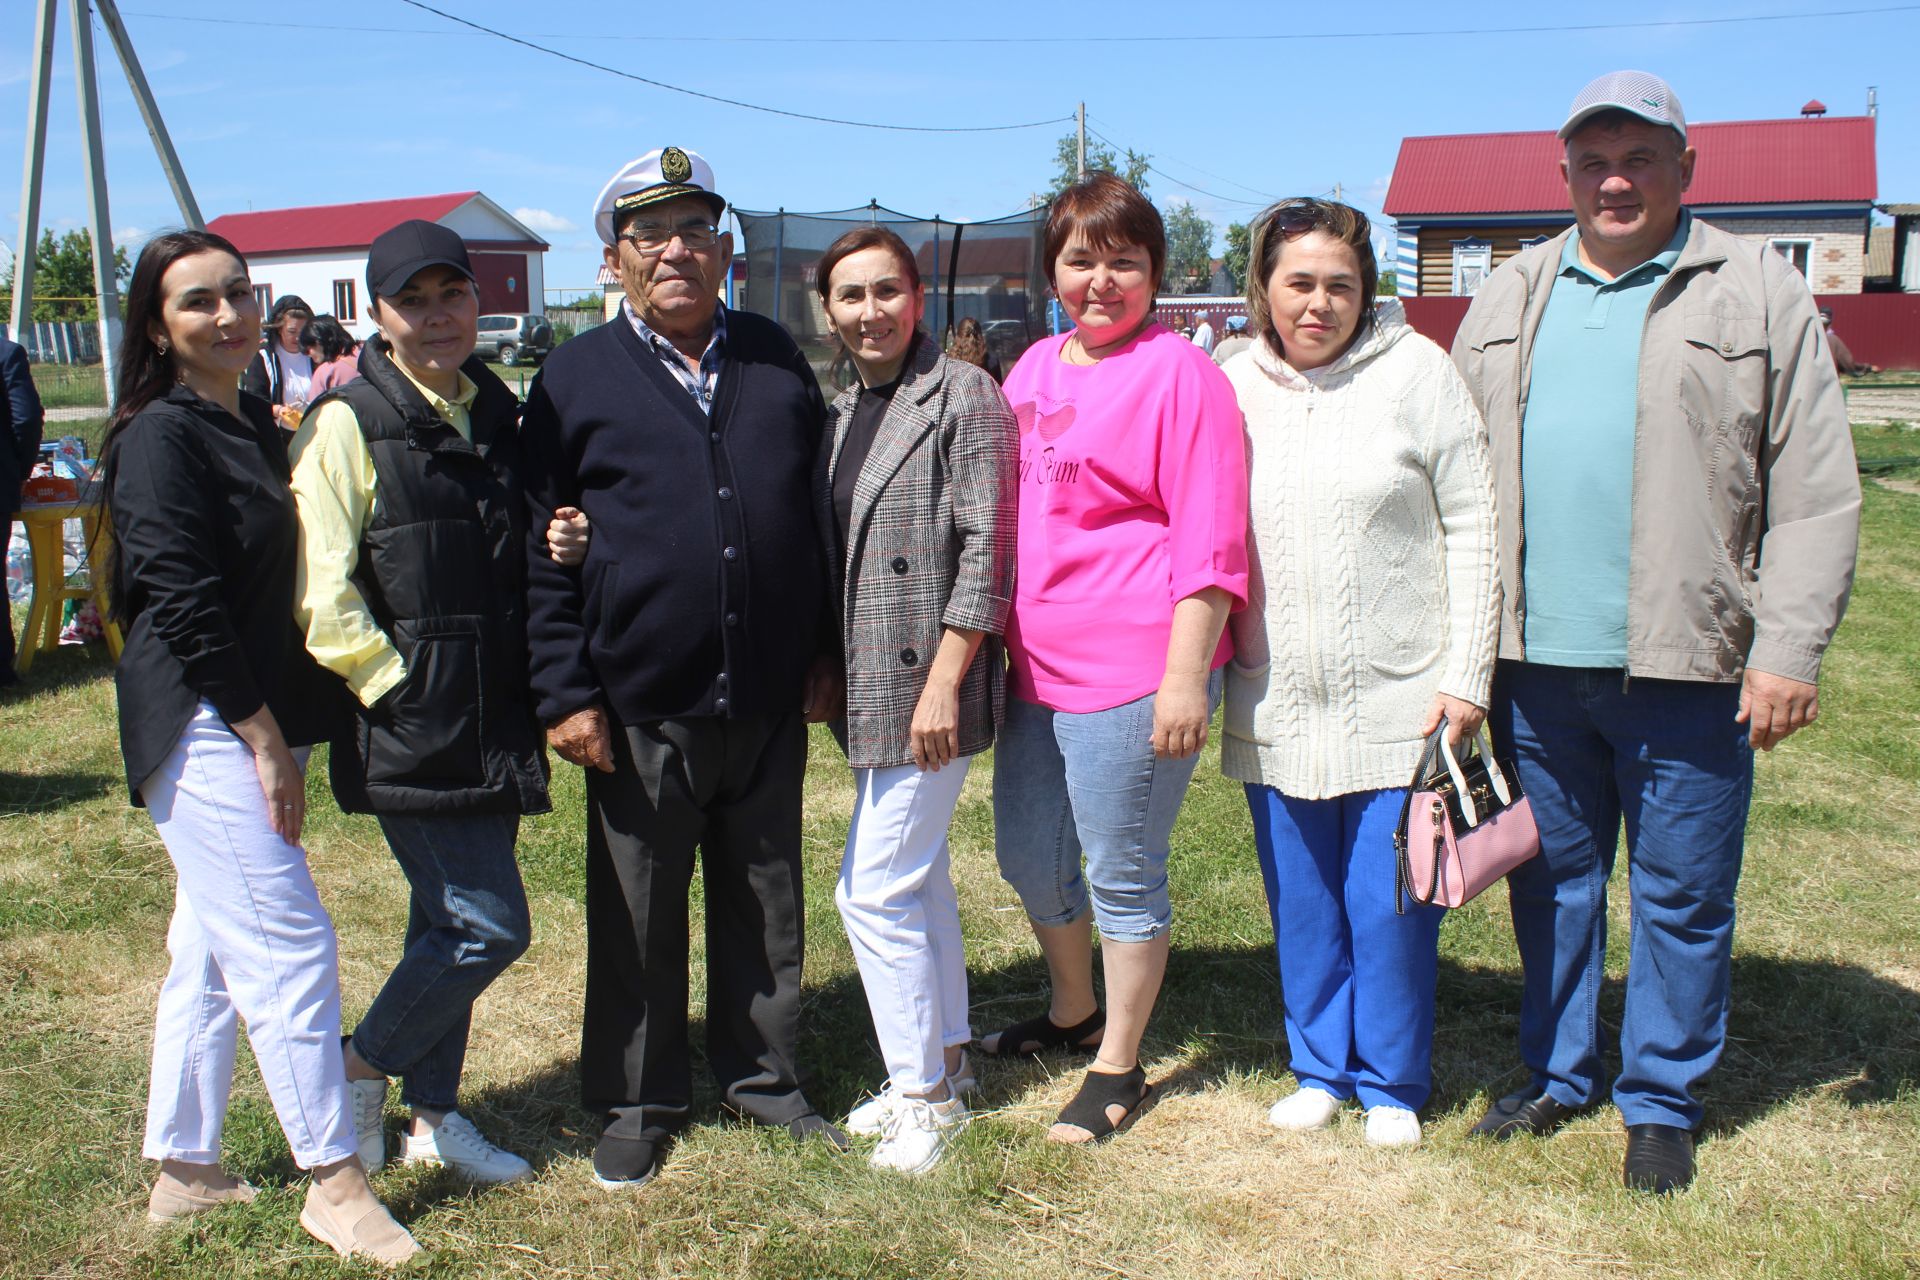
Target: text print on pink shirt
{"x": 1048, "y": 424}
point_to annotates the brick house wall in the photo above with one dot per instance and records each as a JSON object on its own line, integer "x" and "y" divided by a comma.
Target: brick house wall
{"x": 1837, "y": 260}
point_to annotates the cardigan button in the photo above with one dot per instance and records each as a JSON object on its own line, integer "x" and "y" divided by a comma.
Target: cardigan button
{"x": 733, "y": 619}
{"x": 725, "y": 492}
{"x": 908, "y": 657}
{"x": 899, "y": 564}
{"x": 731, "y": 553}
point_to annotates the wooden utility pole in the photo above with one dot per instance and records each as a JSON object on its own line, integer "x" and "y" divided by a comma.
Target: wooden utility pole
{"x": 100, "y": 223}
{"x": 1080, "y": 170}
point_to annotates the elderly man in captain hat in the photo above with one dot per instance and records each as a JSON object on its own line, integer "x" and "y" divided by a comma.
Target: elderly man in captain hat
{"x": 679, "y": 663}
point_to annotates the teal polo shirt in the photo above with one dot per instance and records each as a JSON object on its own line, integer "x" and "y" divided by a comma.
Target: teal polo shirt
{"x": 1576, "y": 458}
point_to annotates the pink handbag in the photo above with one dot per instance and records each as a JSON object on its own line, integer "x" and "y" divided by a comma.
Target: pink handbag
{"x": 1464, "y": 825}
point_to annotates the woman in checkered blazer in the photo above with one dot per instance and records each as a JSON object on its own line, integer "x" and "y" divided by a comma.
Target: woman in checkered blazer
{"x": 915, "y": 492}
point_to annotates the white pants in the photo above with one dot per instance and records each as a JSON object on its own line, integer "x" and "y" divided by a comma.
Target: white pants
{"x": 896, "y": 898}
{"x": 249, "y": 938}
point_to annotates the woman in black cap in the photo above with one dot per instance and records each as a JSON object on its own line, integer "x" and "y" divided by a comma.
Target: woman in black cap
{"x": 417, "y": 601}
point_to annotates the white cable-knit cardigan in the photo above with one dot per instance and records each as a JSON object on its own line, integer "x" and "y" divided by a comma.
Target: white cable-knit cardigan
{"x": 1374, "y": 580}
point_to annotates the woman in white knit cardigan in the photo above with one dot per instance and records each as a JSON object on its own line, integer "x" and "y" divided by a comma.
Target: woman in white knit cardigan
{"x": 1374, "y": 609}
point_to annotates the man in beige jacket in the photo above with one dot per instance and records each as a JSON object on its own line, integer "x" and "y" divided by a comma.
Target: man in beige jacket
{"x": 1678, "y": 510}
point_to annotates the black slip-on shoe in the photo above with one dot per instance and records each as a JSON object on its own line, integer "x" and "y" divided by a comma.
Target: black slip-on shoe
{"x": 1659, "y": 1158}
{"x": 626, "y": 1164}
{"x": 1526, "y": 1112}
{"x": 815, "y": 1125}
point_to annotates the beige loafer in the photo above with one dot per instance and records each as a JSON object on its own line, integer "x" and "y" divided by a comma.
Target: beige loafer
{"x": 173, "y": 1200}
{"x": 374, "y": 1236}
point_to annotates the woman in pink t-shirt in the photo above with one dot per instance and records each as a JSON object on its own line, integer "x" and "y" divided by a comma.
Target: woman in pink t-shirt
{"x": 1132, "y": 551}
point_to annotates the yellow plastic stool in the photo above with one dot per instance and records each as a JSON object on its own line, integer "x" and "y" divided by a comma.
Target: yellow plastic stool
{"x": 46, "y": 539}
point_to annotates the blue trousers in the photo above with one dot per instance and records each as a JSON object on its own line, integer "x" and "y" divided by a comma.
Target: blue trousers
{"x": 1666, "y": 757}
{"x": 1357, "y": 978}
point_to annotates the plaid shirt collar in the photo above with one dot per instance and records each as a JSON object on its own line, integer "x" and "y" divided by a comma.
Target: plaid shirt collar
{"x": 700, "y": 385}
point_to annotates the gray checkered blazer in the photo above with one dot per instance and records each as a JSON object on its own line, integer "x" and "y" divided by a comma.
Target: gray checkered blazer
{"x": 930, "y": 546}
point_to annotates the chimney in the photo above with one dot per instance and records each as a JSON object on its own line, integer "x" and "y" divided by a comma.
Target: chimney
{"x": 1873, "y": 100}
{"x": 1814, "y": 108}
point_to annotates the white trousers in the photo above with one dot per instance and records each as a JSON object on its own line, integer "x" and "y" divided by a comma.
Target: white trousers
{"x": 250, "y": 941}
{"x": 896, "y": 898}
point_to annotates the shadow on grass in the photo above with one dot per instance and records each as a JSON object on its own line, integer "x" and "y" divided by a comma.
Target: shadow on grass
{"x": 1798, "y": 1028}
{"x": 43, "y": 792}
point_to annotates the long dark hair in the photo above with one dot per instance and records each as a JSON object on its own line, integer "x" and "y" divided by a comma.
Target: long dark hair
{"x": 327, "y": 334}
{"x": 142, "y": 372}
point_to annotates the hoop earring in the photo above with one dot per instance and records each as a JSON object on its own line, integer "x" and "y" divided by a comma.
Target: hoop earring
{"x": 163, "y": 345}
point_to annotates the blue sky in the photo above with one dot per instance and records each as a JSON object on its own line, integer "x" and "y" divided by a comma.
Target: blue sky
{"x": 371, "y": 99}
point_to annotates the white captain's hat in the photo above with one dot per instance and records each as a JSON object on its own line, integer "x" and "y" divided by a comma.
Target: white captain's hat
{"x": 664, "y": 173}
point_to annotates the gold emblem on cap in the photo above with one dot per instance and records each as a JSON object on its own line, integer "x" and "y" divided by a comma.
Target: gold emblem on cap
{"x": 674, "y": 165}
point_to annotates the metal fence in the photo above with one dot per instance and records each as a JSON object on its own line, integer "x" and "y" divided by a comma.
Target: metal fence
{"x": 58, "y": 341}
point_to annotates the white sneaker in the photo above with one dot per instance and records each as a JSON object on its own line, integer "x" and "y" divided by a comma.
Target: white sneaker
{"x": 917, "y": 1133}
{"x": 455, "y": 1143}
{"x": 1304, "y": 1108}
{"x": 367, "y": 1100}
{"x": 1392, "y": 1127}
{"x": 869, "y": 1119}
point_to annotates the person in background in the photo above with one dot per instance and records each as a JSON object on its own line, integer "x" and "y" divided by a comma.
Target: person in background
{"x": 21, "y": 420}
{"x": 412, "y": 589}
{"x": 1236, "y": 341}
{"x": 970, "y": 345}
{"x": 1203, "y": 331}
{"x": 215, "y": 694}
{"x": 915, "y": 495}
{"x": 1843, "y": 362}
{"x": 678, "y": 666}
{"x": 1361, "y": 631}
{"x": 1132, "y": 550}
{"x": 282, "y": 370}
{"x": 334, "y": 353}
{"x": 1679, "y": 511}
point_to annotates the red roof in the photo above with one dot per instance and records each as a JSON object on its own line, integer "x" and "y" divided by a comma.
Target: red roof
{"x": 1818, "y": 160}
{"x": 329, "y": 226}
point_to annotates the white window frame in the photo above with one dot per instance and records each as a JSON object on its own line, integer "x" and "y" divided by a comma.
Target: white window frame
{"x": 1797, "y": 250}
{"x": 263, "y": 294}
{"x": 1467, "y": 255}
{"x": 345, "y": 308}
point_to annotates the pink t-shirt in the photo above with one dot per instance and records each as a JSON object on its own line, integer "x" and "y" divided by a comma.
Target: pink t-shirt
{"x": 1133, "y": 496}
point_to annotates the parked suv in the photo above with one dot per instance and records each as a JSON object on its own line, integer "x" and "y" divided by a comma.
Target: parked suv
{"x": 511, "y": 339}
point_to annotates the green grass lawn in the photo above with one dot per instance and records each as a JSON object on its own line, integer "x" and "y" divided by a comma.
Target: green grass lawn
{"x": 1808, "y": 1159}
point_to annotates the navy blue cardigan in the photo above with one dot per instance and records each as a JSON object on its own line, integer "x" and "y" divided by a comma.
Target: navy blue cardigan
{"x": 703, "y": 591}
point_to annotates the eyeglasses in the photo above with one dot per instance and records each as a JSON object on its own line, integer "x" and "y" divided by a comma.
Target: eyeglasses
{"x": 654, "y": 237}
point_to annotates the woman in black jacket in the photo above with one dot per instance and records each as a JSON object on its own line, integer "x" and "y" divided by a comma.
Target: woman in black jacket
{"x": 281, "y": 371}
{"x": 215, "y": 691}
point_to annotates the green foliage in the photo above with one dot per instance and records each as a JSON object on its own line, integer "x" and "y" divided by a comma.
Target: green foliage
{"x": 1389, "y": 285}
{"x": 1099, "y": 156}
{"x": 1239, "y": 245}
{"x": 1189, "y": 250}
{"x": 63, "y": 276}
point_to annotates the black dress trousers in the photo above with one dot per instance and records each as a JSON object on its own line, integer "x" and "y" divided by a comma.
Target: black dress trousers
{"x": 730, "y": 789}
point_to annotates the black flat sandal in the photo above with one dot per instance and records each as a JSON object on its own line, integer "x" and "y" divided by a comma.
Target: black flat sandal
{"x": 1041, "y": 1034}
{"x": 1128, "y": 1090}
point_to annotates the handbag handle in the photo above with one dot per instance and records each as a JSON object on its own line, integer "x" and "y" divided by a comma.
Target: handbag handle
{"x": 1495, "y": 779}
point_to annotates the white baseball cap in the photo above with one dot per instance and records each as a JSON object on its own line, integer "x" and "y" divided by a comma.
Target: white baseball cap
{"x": 662, "y": 174}
{"x": 1639, "y": 93}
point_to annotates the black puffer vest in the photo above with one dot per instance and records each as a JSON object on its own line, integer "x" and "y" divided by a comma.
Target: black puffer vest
{"x": 442, "y": 565}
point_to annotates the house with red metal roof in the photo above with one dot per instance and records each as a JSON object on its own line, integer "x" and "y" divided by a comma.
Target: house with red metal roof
{"x": 320, "y": 252}
{"x": 1465, "y": 203}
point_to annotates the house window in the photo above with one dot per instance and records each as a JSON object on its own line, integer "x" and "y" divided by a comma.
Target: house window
{"x": 343, "y": 309}
{"x": 1798, "y": 252}
{"x": 263, "y": 294}
{"x": 1472, "y": 263}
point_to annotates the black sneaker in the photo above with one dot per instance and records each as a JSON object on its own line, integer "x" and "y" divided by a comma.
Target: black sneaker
{"x": 626, "y": 1164}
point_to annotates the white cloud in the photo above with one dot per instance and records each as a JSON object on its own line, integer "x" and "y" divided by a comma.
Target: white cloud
{"x": 544, "y": 222}
{"x": 131, "y": 237}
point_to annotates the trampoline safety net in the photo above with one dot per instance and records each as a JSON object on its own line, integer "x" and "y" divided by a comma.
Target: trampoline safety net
{"x": 988, "y": 270}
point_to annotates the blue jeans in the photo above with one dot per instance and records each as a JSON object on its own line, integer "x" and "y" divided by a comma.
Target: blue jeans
{"x": 466, "y": 923}
{"x": 1357, "y": 978}
{"x": 1668, "y": 758}
{"x": 1068, "y": 782}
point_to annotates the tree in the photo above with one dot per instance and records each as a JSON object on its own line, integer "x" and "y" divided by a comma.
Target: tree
{"x": 1389, "y": 285}
{"x": 62, "y": 272}
{"x": 1189, "y": 250}
{"x": 1239, "y": 247}
{"x": 1099, "y": 156}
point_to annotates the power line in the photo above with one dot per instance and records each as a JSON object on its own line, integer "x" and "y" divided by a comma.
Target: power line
{"x": 1153, "y": 168}
{"x": 1264, "y": 195}
{"x": 731, "y": 102}
{"x": 1231, "y": 38}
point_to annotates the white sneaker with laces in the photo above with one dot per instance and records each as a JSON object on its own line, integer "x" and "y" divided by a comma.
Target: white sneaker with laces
{"x": 1392, "y": 1127}
{"x": 917, "y": 1133}
{"x": 368, "y": 1101}
{"x": 455, "y": 1143}
{"x": 1304, "y": 1108}
{"x": 869, "y": 1119}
